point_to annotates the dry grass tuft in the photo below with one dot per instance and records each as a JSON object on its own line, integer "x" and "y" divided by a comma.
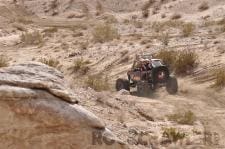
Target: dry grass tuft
{"x": 181, "y": 62}
{"x": 186, "y": 118}
{"x": 4, "y": 61}
{"x": 104, "y": 33}
{"x": 80, "y": 65}
{"x": 32, "y": 38}
{"x": 175, "y": 16}
{"x": 188, "y": 29}
{"x": 168, "y": 57}
{"x": 98, "y": 83}
{"x": 185, "y": 62}
{"x": 50, "y": 62}
{"x": 164, "y": 38}
{"x": 204, "y": 6}
{"x": 220, "y": 78}
{"x": 173, "y": 135}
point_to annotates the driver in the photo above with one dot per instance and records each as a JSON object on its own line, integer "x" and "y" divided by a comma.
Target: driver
{"x": 146, "y": 65}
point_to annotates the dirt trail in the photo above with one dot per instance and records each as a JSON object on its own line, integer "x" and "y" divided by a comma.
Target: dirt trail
{"x": 207, "y": 104}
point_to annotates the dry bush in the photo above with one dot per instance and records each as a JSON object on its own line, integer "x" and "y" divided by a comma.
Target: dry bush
{"x": 159, "y": 26}
{"x": 204, "y": 6}
{"x": 124, "y": 59}
{"x": 181, "y": 62}
{"x": 80, "y": 65}
{"x": 99, "y": 8}
{"x": 110, "y": 19}
{"x": 138, "y": 24}
{"x": 222, "y": 29}
{"x": 173, "y": 135}
{"x": 32, "y": 38}
{"x": 123, "y": 53}
{"x": 104, "y": 33}
{"x": 185, "y": 118}
{"x": 220, "y": 78}
{"x": 4, "y": 61}
{"x": 50, "y": 30}
{"x": 176, "y": 16}
{"x": 188, "y": 29}
{"x": 185, "y": 62}
{"x": 50, "y": 62}
{"x": 145, "y": 8}
{"x": 98, "y": 83}
{"x": 24, "y": 20}
{"x": 168, "y": 57}
{"x": 164, "y": 38}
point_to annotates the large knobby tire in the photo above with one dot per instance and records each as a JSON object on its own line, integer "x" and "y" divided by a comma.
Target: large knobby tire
{"x": 172, "y": 85}
{"x": 122, "y": 84}
{"x": 160, "y": 74}
{"x": 144, "y": 89}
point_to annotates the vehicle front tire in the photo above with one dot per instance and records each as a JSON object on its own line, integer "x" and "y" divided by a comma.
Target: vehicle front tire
{"x": 172, "y": 85}
{"x": 122, "y": 84}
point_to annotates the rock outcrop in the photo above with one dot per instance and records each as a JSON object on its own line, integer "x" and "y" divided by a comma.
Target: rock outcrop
{"x": 36, "y": 112}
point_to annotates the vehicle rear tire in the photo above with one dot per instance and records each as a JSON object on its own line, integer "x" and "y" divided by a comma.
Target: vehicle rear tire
{"x": 122, "y": 84}
{"x": 144, "y": 89}
{"x": 172, "y": 85}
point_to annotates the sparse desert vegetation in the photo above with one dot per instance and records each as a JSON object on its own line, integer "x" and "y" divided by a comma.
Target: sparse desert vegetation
{"x": 104, "y": 33}
{"x": 182, "y": 62}
{"x": 188, "y": 29}
{"x": 203, "y": 6}
{"x": 173, "y": 135}
{"x": 184, "y": 118}
{"x": 32, "y": 38}
{"x": 4, "y": 61}
{"x": 220, "y": 78}
{"x": 98, "y": 82}
{"x": 80, "y": 65}
{"x": 50, "y": 62}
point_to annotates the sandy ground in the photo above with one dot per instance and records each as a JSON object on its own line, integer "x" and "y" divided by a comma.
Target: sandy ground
{"x": 126, "y": 113}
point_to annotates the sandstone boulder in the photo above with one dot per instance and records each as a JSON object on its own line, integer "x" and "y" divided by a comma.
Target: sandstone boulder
{"x": 36, "y": 112}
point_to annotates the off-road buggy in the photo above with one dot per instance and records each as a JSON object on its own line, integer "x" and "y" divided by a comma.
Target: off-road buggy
{"x": 156, "y": 75}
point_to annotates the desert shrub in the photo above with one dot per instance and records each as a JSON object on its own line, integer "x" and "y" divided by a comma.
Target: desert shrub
{"x": 220, "y": 78}
{"x": 167, "y": 56}
{"x": 222, "y": 29}
{"x": 185, "y": 62}
{"x": 110, "y": 19}
{"x": 176, "y": 16}
{"x": 138, "y": 24}
{"x": 181, "y": 62}
{"x": 145, "y": 8}
{"x": 99, "y": 8}
{"x": 4, "y": 61}
{"x": 80, "y": 65}
{"x": 123, "y": 53}
{"x": 164, "y": 38}
{"x": 203, "y": 6}
{"x": 124, "y": 59}
{"x": 50, "y": 30}
{"x": 188, "y": 29}
{"x": 187, "y": 117}
{"x": 104, "y": 33}
{"x": 173, "y": 135}
{"x": 32, "y": 38}
{"x": 98, "y": 83}
{"x": 50, "y": 62}
{"x": 24, "y": 20}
